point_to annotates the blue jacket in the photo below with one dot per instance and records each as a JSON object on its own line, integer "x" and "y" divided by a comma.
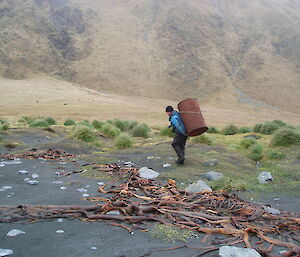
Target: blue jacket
{"x": 177, "y": 123}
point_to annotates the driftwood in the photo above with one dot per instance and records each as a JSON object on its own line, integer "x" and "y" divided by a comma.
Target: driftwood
{"x": 141, "y": 200}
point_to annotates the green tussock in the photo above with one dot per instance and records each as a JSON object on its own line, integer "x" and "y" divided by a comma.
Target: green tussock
{"x": 110, "y": 130}
{"x": 4, "y": 126}
{"x": 256, "y": 152}
{"x": 247, "y": 143}
{"x": 285, "y": 137}
{"x": 85, "y": 134}
{"x": 167, "y": 132}
{"x": 69, "y": 122}
{"x": 141, "y": 130}
{"x": 275, "y": 155}
{"x": 84, "y": 123}
{"x": 27, "y": 120}
{"x": 212, "y": 130}
{"x": 97, "y": 124}
{"x": 202, "y": 139}
{"x": 124, "y": 141}
{"x": 50, "y": 121}
{"x": 2, "y": 121}
{"x": 257, "y": 127}
{"x": 39, "y": 123}
{"x": 230, "y": 130}
{"x": 169, "y": 233}
{"x": 244, "y": 130}
{"x": 268, "y": 128}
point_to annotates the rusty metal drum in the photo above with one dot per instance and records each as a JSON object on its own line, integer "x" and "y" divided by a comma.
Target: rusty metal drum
{"x": 192, "y": 117}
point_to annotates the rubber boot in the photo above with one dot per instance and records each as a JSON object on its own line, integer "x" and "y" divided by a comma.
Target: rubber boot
{"x": 180, "y": 154}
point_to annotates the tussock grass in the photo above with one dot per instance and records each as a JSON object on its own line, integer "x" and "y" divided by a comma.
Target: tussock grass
{"x": 69, "y": 122}
{"x": 4, "y": 126}
{"x": 39, "y": 123}
{"x": 84, "y": 123}
{"x": 244, "y": 130}
{"x": 212, "y": 130}
{"x": 27, "y": 120}
{"x": 230, "y": 130}
{"x": 141, "y": 130}
{"x": 268, "y": 128}
{"x": 257, "y": 127}
{"x": 166, "y": 131}
{"x": 124, "y": 141}
{"x": 97, "y": 124}
{"x": 275, "y": 155}
{"x": 285, "y": 137}
{"x": 50, "y": 121}
{"x": 256, "y": 152}
{"x": 110, "y": 130}
{"x": 202, "y": 139}
{"x": 85, "y": 134}
{"x": 247, "y": 143}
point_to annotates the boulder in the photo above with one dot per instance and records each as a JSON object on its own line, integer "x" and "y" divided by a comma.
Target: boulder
{"x": 213, "y": 175}
{"x": 199, "y": 186}
{"x": 210, "y": 163}
{"x": 232, "y": 251}
{"x": 148, "y": 173}
{"x": 264, "y": 177}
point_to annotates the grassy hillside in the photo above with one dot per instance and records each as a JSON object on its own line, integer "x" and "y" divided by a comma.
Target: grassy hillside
{"x": 219, "y": 51}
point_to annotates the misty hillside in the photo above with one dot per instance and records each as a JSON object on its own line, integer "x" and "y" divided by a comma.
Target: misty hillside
{"x": 159, "y": 48}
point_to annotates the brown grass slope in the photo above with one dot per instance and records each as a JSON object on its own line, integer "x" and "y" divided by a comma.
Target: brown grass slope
{"x": 216, "y": 50}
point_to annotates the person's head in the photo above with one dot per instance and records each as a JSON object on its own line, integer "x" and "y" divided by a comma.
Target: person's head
{"x": 169, "y": 110}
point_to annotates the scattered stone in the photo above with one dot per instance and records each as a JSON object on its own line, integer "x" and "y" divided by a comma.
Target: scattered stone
{"x": 265, "y": 177}
{"x": 26, "y": 179}
{"x": 210, "y": 163}
{"x": 85, "y": 195}
{"x": 10, "y": 195}
{"x": 276, "y": 199}
{"x": 88, "y": 186}
{"x": 34, "y": 176}
{"x": 100, "y": 183}
{"x": 63, "y": 188}
{"x": 129, "y": 164}
{"x": 213, "y": 175}
{"x": 5, "y": 252}
{"x": 167, "y": 165}
{"x": 60, "y": 220}
{"x": 81, "y": 190}
{"x": 32, "y": 182}
{"x": 272, "y": 210}
{"x": 94, "y": 248}
{"x": 148, "y": 173}
{"x": 153, "y": 157}
{"x": 57, "y": 182}
{"x": 23, "y": 172}
{"x": 60, "y": 231}
{"x": 15, "y": 232}
{"x": 232, "y": 251}
{"x": 2, "y": 190}
{"x": 7, "y": 187}
{"x": 198, "y": 186}
{"x": 113, "y": 213}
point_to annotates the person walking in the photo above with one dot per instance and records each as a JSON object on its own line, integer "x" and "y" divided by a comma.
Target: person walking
{"x": 180, "y": 138}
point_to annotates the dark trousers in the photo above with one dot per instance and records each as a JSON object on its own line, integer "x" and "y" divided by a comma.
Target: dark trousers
{"x": 178, "y": 144}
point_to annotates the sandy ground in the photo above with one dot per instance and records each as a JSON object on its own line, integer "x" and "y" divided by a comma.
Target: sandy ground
{"x": 42, "y": 96}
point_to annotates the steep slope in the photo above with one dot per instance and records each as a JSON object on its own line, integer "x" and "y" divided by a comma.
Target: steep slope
{"x": 217, "y": 50}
